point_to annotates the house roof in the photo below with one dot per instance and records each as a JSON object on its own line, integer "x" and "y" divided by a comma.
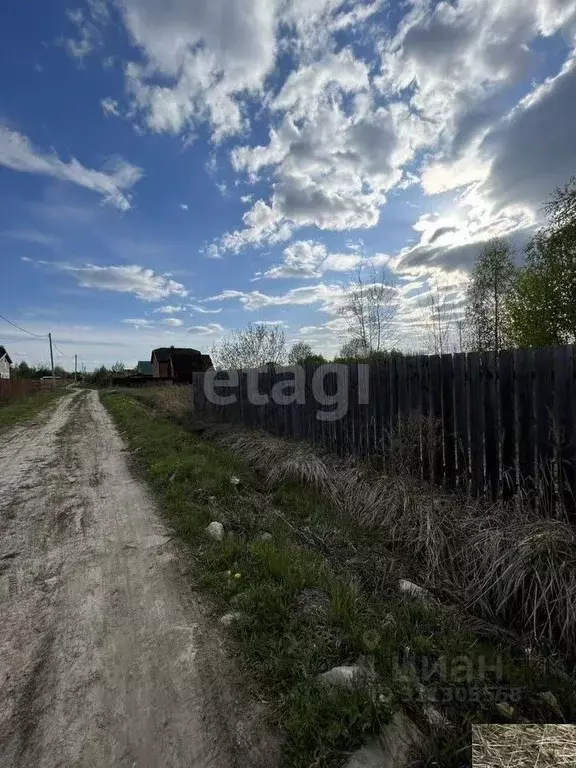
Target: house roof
{"x": 5, "y": 354}
{"x": 184, "y": 364}
{"x": 145, "y": 367}
{"x": 163, "y": 354}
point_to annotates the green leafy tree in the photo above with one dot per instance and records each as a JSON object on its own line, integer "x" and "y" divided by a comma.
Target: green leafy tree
{"x": 118, "y": 367}
{"x": 491, "y": 285}
{"x": 542, "y": 309}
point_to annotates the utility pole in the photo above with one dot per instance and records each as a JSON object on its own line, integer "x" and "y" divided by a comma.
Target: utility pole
{"x": 75, "y": 367}
{"x": 52, "y": 361}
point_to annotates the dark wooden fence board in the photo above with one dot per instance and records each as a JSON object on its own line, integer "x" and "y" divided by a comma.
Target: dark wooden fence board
{"x": 524, "y": 363}
{"x": 448, "y": 421}
{"x": 424, "y": 407}
{"x": 461, "y": 420}
{"x": 436, "y": 440}
{"x": 544, "y": 412}
{"x": 475, "y": 408}
{"x": 565, "y": 428}
{"x": 491, "y": 426}
{"x": 507, "y": 406}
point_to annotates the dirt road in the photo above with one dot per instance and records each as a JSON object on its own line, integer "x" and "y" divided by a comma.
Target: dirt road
{"x": 104, "y": 658}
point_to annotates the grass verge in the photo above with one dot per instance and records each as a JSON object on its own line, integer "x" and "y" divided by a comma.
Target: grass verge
{"x": 27, "y": 408}
{"x": 418, "y": 653}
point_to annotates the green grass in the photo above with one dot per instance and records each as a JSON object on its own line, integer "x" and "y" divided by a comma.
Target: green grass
{"x": 285, "y": 649}
{"x": 26, "y": 408}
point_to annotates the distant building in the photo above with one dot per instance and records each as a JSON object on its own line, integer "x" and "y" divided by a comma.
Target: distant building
{"x": 5, "y": 363}
{"x": 144, "y": 368}
{"x": 178, "y": 363}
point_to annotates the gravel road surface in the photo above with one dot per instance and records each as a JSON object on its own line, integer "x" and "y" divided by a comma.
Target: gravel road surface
{"x": 105, "y": 657}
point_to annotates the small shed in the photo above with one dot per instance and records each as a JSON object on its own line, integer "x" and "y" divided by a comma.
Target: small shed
{"x": 5, "y": 363}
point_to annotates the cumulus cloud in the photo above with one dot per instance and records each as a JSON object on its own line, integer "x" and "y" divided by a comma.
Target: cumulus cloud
{"x": 309, "y": 259}
{"x": 199, "y": 56}
{"x": 173, "y": 322}
{"x": 143, "y": 283}
{"x": 456, "y": 57}
{"x": 533, "y": 148}
{"x": 18, "y": 154}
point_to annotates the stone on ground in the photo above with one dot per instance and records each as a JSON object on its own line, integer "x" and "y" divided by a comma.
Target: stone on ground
{"x": 409, "y": 588}
{"x": 342, "y": 677}
{"x": 230, "y": 618}
{"x": 216, "y": 531}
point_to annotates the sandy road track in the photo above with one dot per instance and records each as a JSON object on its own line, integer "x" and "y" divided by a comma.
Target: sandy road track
{"x": 104, "y": 657}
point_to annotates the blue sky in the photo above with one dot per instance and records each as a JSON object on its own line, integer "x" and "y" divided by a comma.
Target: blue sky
{"x": 173, "y": 170}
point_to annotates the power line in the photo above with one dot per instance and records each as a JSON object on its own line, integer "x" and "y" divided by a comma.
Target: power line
{"x": 59, "y": 350}
{"x": 36, "y": 335}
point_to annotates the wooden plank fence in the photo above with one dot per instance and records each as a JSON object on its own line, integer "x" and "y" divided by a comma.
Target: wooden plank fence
{"x": 490, "y": 425}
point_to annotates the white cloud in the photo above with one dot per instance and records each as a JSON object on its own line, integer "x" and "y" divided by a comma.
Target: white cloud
{"x": 200, "y": 55}
{"x": 328, "y": 296}
{"x": 184, "y": 206}
{"x": 143, "y": 283}
{"x": 173, "y": 322}
{"x": 87, "y": 22}
{"x": 334, "y": 155}
{"x": 18, "y": 154}
{"x": 309, "y": 259}
{"x": 206, "y": 330}
{"x": 312, "y": 85}
{"x": 110, "y": 107}
{"x": 138, "y": 322}
{"x": 170, "y": 309}
{"x": 204, "y": 311}
{"x": 457, "y": 57}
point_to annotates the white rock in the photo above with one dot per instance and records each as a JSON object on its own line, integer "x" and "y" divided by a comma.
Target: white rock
{"x": 409, "y": 588}
{"x": 235, "y": 480}
{"x": 230, "y": 618}
{"x": 342, "y": 677}
{"x": 216, "y": 531}
{"x": 399, "y": 743}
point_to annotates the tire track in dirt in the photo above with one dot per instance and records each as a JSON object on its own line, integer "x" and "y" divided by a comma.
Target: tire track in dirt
{"x": 105, "y": 658}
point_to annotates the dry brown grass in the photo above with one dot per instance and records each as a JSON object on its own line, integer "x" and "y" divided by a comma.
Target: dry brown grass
{"x": 507, "y": 565}
{"x": 176, "y": 402}
{"x": 523, "y": 746}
